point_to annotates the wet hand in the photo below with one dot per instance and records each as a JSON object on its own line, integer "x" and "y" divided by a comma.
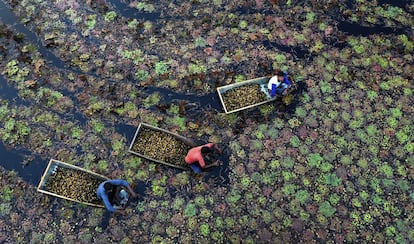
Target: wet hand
{"x": 216, "y": 163}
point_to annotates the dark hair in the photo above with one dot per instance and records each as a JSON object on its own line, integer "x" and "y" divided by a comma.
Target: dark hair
{"x": 280, "y": 73}
{"x": 108, "y": 187}
{"x": 205, "y": 150}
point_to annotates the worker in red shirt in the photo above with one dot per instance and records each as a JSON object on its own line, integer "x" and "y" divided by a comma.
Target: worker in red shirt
{"x": 195, "y": 157}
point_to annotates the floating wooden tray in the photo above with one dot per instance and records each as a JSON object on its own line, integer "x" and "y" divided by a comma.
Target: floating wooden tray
{"x": 53, "y": 166}
{"x": 262, "y": 81}
{"x": 181, "y": 165}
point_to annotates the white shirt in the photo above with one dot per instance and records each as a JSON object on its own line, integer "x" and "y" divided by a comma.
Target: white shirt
{"x": 273, "y": 80}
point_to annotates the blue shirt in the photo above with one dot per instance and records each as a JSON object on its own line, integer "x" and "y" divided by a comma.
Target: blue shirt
{"x": 100, "y": 192}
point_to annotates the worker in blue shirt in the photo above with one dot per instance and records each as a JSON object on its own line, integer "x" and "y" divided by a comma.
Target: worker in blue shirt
{"x": 113, "y": 196}
{"x": 279, "y": 84}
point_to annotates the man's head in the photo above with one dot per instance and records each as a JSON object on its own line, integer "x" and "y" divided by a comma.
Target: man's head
{"x": 108, "y": 187}
{"x": 280, "y": 75}
{"x": 205, "y": 150}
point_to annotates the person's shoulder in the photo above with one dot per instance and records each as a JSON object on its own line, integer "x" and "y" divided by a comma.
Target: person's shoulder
{"x": 273, "y": 79}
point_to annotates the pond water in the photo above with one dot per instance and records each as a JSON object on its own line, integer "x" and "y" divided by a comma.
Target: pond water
{"x": 335, "y": 165}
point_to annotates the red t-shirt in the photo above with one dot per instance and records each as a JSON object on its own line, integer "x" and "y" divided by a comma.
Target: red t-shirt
{"x": 195, "y": 155}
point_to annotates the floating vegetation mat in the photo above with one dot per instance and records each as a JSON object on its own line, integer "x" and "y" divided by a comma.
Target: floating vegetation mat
{"x": 335, "y": 166}
{"x": 243, "y": 96}
{"x": 160, "y": 146}
{"x": 74, "y": 184}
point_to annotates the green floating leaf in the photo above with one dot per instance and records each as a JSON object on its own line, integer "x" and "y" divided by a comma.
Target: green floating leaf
{"x": 326, "y": 209}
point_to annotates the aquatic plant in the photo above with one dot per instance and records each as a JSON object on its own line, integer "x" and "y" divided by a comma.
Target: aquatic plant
{"x": 157, "y": 190}
{"x": 49, "y": 237}
{"x": 117, "y": 145}
{"x": 152, "y": 99}
{"x": 403, "y": 135}
{"x": 306, "y": 181}
{"x": 178, "y": 203}
{"x": 326, "y": 209}
{"x": 356, "y": 203}
{"x": 388, "y": 183}
{"x": 325, "y": 167}
{"x": 110, "y": 16}
{"x": 314, "y": 159}
{"x": 259, "y": 134}
{"x": 103, "y": 165}
{"x": 90, "y": 21}
{"x": 245, "y": 182}
{"x": 190, "y": 210}
{"x": 302, "y": 196}
{"x": 217, "y": 236}
{"x": 375, "y": 185}
{"x": 295, "y": 141}
{"x": 364, "y": 195}
{"x": 408, "y": 45}
{"x": 266, "y": 215}
{"x": 76, "y": 132}
{"x": 196, "y": 68}
{"x": 326, "y": 87}
{"x": 97, "y": 126}
{"x": 334, "y": 199}
{"x": 205, "y": 213}
{"x": 346, "y": 159}
{"x": 162, "y": 67}
{"x": 403, "y": 184}
{"x": 233, "y": 196}
{"x": 200, "y": 42}
{"x": 12, "y": 68}
{"x": 289, "y": 189}
{"x": 386, "y": 170}
{"x": 178, "y": 121}
{"x": 6, "y": 194}
{"x": 288, "y": 162}
{"x": 331, "y": 179}
{"x": 287, "y": 175}
{"x": 257, "y": 144}
{"x": 390, "y": 230}
{"x": 146, "y": 7}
